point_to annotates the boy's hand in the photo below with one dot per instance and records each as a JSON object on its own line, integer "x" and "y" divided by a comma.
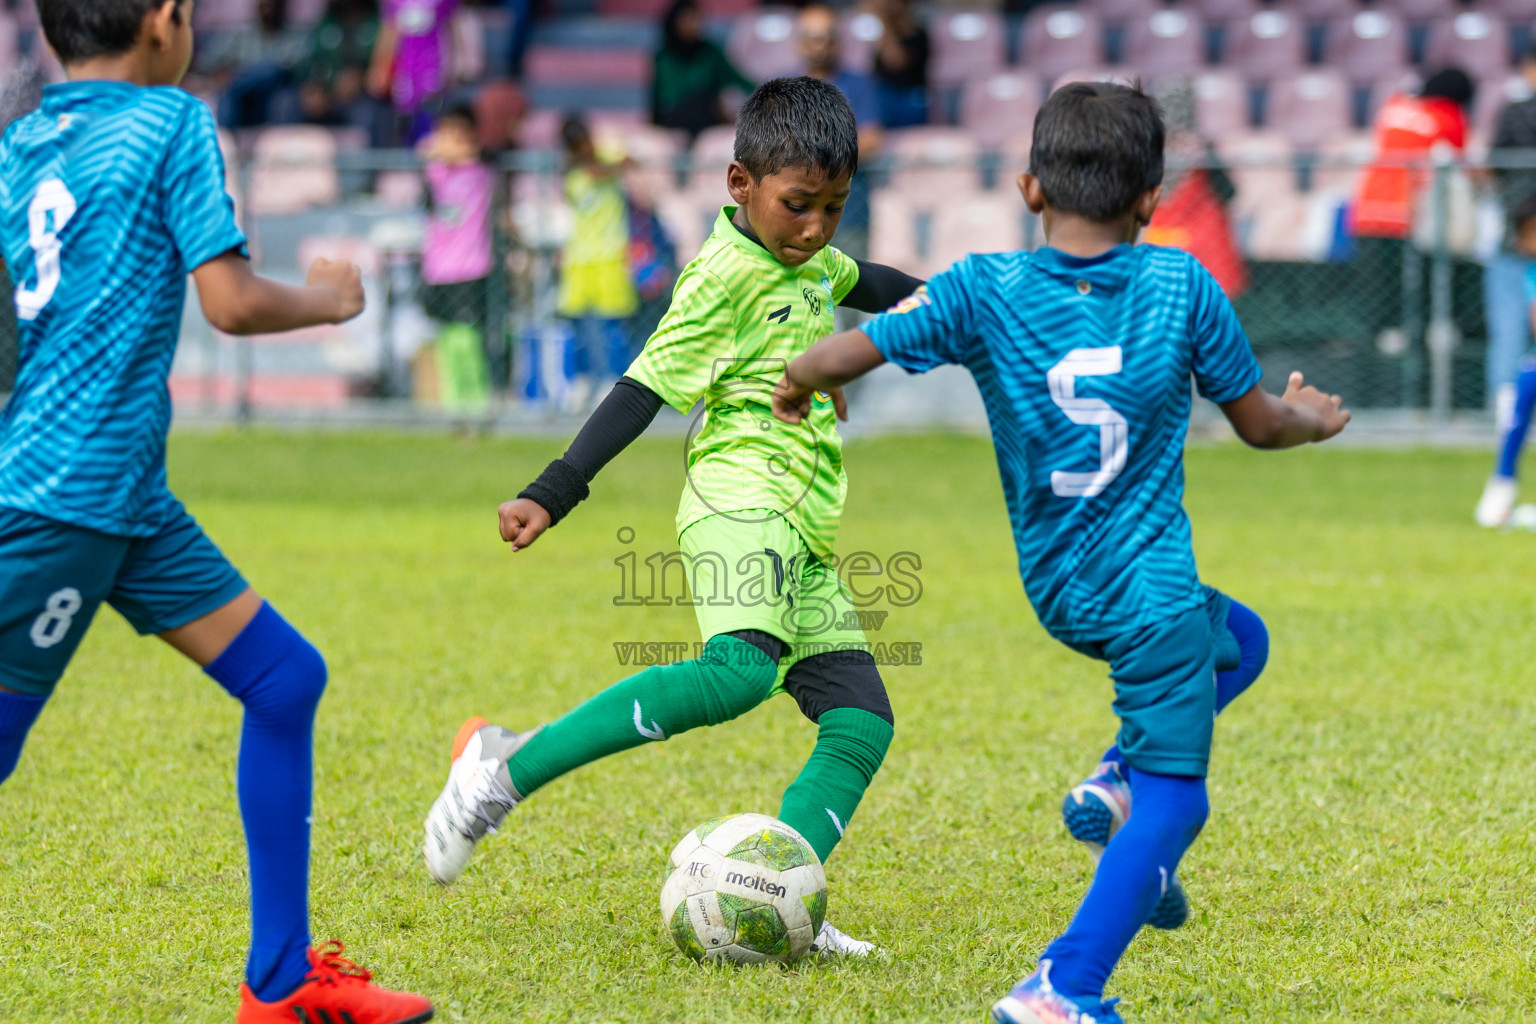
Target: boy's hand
{"x": 792, "y": 402}
{"x": 1327, "y": 409}
{"x": 522, "y": 521}
{"x": 344, "y": 280}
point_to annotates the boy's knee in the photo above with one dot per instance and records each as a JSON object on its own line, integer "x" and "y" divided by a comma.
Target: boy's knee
{"x": 1252, "y": 637}
{"x": 272, "y": 669}
{"x": 839, "y": 680}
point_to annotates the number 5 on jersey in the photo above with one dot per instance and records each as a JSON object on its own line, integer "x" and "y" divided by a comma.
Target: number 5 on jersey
{"x": 50, "y": 210}
{"x": 1114, "y": 440}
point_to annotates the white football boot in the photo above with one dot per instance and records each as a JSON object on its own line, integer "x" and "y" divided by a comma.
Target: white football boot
{"x": 1497, "y": 502}
{"x": 830, "y": 942}
{"x": 476, "y": 799}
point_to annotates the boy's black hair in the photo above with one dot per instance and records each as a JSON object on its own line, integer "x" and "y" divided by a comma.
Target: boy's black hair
{"x": 461, "y": 112}
{"x": 797, "y": 122}
{"x": 1524, "y": 212}
{"x": 81, "y": 29}
{"x": 574, "y": 130}
{"x": 1098, "y": 147}
{"x": 1450, "y": 84}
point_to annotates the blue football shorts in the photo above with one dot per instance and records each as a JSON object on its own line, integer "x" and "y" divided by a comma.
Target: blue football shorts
{"x": 53, "y": 577}
{"x": 1165, "y": 686}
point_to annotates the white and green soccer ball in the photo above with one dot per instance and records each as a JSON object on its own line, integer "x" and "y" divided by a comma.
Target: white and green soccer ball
{"x": 744, "y": 887}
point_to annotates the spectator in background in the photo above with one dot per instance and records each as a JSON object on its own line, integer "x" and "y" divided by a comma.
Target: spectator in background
{"x": 262, "y": 64}
{"x": 1509, "y": 324}
{"x": 901, "y": 65}
{"x": 816, "y": 33}
{"x": 457, "y": 258}
{"x": 332, "y": 75}
{"x": 413, "y": 61}
{"x": 1408, "y": 130}
{"x": 597, "y": 293}
{"x": 690, "y": 74}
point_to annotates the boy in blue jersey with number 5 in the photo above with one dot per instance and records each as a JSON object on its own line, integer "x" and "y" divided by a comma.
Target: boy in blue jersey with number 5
{"x": 110, "y": 195}
{"x": 1083, "y": 353}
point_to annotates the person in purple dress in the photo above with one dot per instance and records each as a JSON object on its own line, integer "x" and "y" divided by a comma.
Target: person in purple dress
{"x": 413, "y": 61}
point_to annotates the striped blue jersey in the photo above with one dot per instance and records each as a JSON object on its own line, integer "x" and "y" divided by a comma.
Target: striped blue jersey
{"x": 1084, "y": 366}
{"x": 110, "y": 194}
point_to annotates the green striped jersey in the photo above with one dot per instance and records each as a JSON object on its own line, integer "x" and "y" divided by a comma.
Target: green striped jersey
{"x": 738, "y": 316}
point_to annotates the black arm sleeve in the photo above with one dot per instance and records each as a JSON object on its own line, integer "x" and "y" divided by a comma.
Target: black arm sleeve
{"x": 879, "y": 288}
{"x": 623, "y": 416}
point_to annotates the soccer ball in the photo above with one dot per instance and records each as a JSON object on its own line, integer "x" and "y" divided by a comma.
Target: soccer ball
{"x": 744, "y": 887}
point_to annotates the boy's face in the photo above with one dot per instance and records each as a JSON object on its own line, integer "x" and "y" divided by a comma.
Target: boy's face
{"x": 1525, "y": 237}
{"x": 458, "y": 140}
{"x": 794, "y": 212}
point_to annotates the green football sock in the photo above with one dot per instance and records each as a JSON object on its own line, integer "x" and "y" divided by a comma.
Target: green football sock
{"x": 850, "y": 744}
{"x": 731, "y": 678}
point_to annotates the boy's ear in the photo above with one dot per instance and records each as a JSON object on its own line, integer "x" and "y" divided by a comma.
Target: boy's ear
{"x": 1146, "y": 206}
{"x": 1034, "y": 195}
{"x": 161, "y": 23}
{"x": 739, "y": 181}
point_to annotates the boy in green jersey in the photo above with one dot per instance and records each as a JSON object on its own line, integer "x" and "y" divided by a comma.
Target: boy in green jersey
{"x": 760, "y": 509}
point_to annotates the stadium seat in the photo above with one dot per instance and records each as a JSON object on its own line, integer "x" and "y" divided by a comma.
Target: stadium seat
{"x": 1226, "y": 10}
{"x": 1058, "y": 39}
{"x": 713, "y": 152}
{"x": 1221, "y": 103}
{"x": 1168, "y": 42}
{"x": 1472, "y": 40}
{"x": 1268, "y": 212}
{"x": 1418, "y": 11}
{"x": 967, "y": 45}
{"x": 1268, "y": 45}
{"x": 858, "y": 33}
{"x": 934, "y": 162}
{"x": 1368, "y": 45}
{"x": 1119, "y": 12}
{"x": 1124, "y": 76}
{"x": 1493, "y": 95}
{"x": 1000, "y": 108}
{"x": 1341, "y": 161}
{"x": 924, "y": 238}
{"x": 10, "y": 40}
{"x": 1311, "y": 108}
{"x": 1514, "y": 10}
{"x": 1324, "y": 10}
{"x": 587, "y": 65}
{"x": 762, "y": 44}
{"x": 540, "y": 130}
{"x": 224, "y": 15}
{"x": 654, "y": 151}
{"x": 292, "y": 169}
{"x": 1383, "y": 89}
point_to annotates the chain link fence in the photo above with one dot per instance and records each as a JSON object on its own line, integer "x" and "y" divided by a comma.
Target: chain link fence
{"x": 524, "y": 335}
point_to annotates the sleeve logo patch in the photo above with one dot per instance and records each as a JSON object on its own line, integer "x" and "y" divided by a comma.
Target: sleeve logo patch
{"x": 916, "y": 300}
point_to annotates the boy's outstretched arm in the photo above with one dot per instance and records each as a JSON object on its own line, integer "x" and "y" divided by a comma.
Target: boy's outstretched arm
{"x": 623, "y": 416}
{"x": 826, "y": 366}
{"x": 1300, "y": 415}
{"x": 879, "y": 287}
{"x": 237, "y": 301}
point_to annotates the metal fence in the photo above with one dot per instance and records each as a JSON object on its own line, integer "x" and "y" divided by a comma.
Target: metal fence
{"x": 1400, "y": 324}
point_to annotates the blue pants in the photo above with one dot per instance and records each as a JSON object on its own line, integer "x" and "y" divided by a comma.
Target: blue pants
{"x": 1509, "y": 319}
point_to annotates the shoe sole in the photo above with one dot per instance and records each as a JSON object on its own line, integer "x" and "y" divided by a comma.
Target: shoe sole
{"x": 1091, "y": 823}
{"x": 1009, "y": 1010}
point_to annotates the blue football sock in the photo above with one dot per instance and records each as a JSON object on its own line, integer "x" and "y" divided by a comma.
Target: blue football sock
{"x": 17, "y": 713}
{"x": 1253, "y": 642}
{"x": 1137, "y": 864}
{"x": 1514, "y": 437}
{"x": 279, "y": 677}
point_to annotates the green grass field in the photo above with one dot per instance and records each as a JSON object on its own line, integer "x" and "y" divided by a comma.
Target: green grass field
{"x": 1370, "y": 856}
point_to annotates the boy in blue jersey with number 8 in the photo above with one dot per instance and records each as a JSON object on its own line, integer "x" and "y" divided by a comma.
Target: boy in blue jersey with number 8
{"x": 110, "y": 195}
{"x": 1083, "y": 353}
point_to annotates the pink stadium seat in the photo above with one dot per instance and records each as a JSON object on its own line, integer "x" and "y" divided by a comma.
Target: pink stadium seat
{"x": 858, "y": 33}
{"x": 966, "y": 45}
{"x": 223, "y": 15}
{"x": 1493, "y": 95}
{"x": 540, "y": 130}
{"x": 689, "y": 216}
{"x": 1388, "y": 86}
{"x": 1119, "y": 12}
{"x": 1219, "y": 11}
{"x": 1221, "y": 103}
{"x": 1325, "y": 10}
{"x": 1124, "y": 76}
{"x": 1472, "y": 40}
{"x": 1000, "y": 108}
{"x": 1058, "y": 39}
{"x": 926, "y": 238}
{"x": 293, "y": 168}
{"x": 762, "y": 44}
{"x": 1269, "y": 44}
{"x": 935, "y": 162}
{"x": 654, "y": 151}
{"x": 10, "y": 47}
{"x": 596, "y": 65}
{"x": 713, "y": 152}
{"x": 1424, "y": 10}
{"x": 1267, "y": 210}
{"x": 1311, "y": 108}
{"x": 1341, "y": 161}
{"x": 1167, "y": 42}
{"x": 1514, "y": 10}
{"x": 1368, "y": 45}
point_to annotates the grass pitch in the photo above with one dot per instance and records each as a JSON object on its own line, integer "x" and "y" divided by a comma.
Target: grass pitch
{"x": 1369, "y": 856}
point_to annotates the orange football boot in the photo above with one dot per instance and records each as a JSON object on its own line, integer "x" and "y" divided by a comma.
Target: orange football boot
{"x": 335, "y": 991}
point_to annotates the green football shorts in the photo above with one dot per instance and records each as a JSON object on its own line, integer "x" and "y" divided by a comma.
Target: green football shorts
{"x": 752, "y": 570}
